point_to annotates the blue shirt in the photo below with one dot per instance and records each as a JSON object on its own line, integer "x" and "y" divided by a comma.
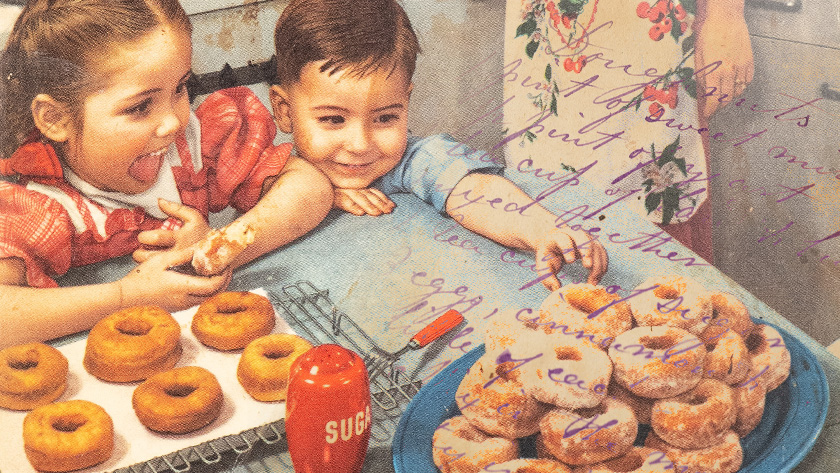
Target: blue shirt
{"x": 432, "y": 166}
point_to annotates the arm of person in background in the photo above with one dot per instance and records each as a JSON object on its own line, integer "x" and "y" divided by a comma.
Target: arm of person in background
{"x": 534, "y": 229}
{"x": 721, "y": 35}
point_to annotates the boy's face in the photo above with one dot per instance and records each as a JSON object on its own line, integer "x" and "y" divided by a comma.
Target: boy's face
{"x": 353, "y": 129}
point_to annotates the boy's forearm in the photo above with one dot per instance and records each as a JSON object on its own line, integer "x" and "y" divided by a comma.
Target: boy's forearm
{"x": 38, "y": 314}
{"x": 296, "y": 203}
{"x": 478, "y": 203}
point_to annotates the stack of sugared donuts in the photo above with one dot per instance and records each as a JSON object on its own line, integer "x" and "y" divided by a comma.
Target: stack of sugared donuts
{"x": 582, "y": 373}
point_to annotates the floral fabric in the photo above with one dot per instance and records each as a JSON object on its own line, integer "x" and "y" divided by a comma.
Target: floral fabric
{"x": 52, "y": 226}
{"x": 607, "y": 88}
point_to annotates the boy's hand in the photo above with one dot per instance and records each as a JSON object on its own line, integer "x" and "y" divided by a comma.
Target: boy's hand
{"x": 194, "y": 228}
{"x": 152, "y": 282}
{"x": 363, "y": 201}
{"x": 565, "y": 246}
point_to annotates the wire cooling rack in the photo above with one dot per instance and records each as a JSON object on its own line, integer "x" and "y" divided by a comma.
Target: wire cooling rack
{"x": 311, "y": 313}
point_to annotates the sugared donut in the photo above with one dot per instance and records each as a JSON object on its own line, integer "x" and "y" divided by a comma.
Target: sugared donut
{"x": 591, "y": 435}
{"x": 569, "y": 373}
{"x": 231, "y": 320}
{"x": 220, "y": 247}
{"x": 178, "y": 401}
{"x": 657, "y": 361}
{"x": 66, "y": 436}
{"x": 770, "y": 356}
{"x": 460, "y": 447}
{"x": 263, "y": 369}
{"x": 31, "y": 375}
{"x": 500, "y": 335}
{"x": 749, "y": 404}
{"x": 133, "y": 344}
{"x": 637, "y": 460}
{"x": 724, "y": 457}
{"x": 727, "y": 358}
{"x": 728, "y": 314}
{"x": 491, "y": 397}
{"x": 529, "y": 465}
{"x": 674, "y": 301}
{"x": 588, "y": 309}
{"x": 696, "y": 419}
{"x": 641, "y": 406}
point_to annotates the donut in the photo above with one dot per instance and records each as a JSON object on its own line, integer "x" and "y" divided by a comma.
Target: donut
{"x": 31, "y": 375}
{"x": 502, "y": 333}
{"x": 220, "y": 247}
{"x": 723, "y": 457}
{"x": 460, "y": 447}
{"x": 641, "y": 406}
{"x": 728, "y": 314}
{"x": 591, "y": 435}
{"x": 587, "y": 309}
{"x": 727, "y": 358}
{"x": 263, "y": 369}
{"x": 568, "y": 373}
{"x": 696, "y": 419}
{"x": 491, "y": 397}
{"x": 66, "y": 436}
{"x": 133, "y": 344}
{"x": 529, "y": 465}
{"x": 657, "y": 361}
{"x": 637, "y": 460}
{"x": 769, "y": 355}
{"x": 231, "y": 320}
{"x": 672, "y": 300}
{"x": 178, "y": 401}
{"x": 749, "y": 404}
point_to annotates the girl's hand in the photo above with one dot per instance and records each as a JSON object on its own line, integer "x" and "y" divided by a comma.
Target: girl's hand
{"x": 565, "y": 246}
{"x": 194, "y": 228}
{"x": 363, "y": 201}
{"x": 152, "y": 283}
{"x": 725, "y": 39}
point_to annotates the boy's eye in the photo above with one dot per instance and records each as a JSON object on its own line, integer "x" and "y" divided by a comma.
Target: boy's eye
{"x": 140, "y": 109}
{"x": 332, "y": 119}
{"x": 391, "y": 117}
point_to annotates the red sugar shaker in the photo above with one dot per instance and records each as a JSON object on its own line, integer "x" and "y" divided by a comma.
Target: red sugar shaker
{"x": 328, "y": 417}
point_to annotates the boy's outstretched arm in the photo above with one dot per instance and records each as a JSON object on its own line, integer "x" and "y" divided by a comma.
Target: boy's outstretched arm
{"x": 534, "y": 229}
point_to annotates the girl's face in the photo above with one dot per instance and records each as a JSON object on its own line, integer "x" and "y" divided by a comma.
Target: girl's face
{"x": 128, "y": 124}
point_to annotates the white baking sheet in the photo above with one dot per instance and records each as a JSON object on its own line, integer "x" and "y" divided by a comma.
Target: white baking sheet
{"x": 134, "y": 443}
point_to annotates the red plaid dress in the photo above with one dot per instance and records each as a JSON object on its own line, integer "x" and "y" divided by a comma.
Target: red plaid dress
{"x": 237, "y": 154}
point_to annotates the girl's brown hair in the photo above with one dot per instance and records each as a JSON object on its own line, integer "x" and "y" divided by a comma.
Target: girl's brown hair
{"x": 55, "y": 46}
{"x": 358, "y": 35}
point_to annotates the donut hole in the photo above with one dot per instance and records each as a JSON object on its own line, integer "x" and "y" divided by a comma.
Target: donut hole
{"x": 626, "y": 463}
{"x": 696, "y": 400}
{"x": 583, "y": 301}
{"x": 507, "y": 371}
{"x": 568, "y": 353}
{"x": 231, "y": 309}
{"x": 589, "y": 412}
{"x": 133, "y": 327}
{"x": 710, "y": 346}
{"x": 666, "y": 292}
{"x": 754, "y": 342}
{"x": 69, "y": 423}
{"x": 180, "y": 390}
{"x": 23, "y": 363}
{"x": 277, "y": 353}
{"x": 660, "y": 342}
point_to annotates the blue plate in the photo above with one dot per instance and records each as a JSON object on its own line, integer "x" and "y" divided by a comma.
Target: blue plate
{"x": 794, "y": 415}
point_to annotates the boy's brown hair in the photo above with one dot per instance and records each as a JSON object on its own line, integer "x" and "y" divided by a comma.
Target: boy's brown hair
{"x": 360, "y": 36}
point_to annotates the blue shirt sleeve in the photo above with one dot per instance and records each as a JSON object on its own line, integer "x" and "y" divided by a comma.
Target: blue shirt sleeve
{"x": 432, "y": 166}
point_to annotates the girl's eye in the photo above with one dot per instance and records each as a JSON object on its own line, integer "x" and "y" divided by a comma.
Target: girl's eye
{"x": 387, "y": 118}
{"x": 332, "y": 119}
{"x": 141, "y": 108}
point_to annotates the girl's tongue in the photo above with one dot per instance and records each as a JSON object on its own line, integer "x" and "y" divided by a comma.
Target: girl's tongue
{"x": 146, "y": 167}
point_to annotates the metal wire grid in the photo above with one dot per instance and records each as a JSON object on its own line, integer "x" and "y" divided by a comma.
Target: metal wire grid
{"x": 311, "y": 313}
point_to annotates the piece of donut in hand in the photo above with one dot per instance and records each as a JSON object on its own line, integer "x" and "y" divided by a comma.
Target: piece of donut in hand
{"x": 220, "y": 247}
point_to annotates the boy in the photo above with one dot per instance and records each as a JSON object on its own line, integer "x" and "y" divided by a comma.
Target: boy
{"x": 342, "y": 88}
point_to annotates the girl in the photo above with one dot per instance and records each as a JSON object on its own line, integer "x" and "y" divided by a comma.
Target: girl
{"x": 108, "y": 160}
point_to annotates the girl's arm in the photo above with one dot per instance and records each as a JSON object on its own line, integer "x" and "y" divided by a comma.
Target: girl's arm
{"x": 535, "y": 229}
{"x": 41, "y": 314}
{"x": 293, "y": 204}
{"x": 721, "y": 35}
